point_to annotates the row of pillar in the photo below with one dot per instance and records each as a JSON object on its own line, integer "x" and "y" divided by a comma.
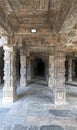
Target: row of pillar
{"x": 56, "y": 75}
{"x": 9, "y": 90}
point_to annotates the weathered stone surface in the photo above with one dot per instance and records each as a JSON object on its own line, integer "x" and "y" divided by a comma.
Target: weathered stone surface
{"x": 9, "y": 90}
{"x": 19, "y": 127}
{"x": 51, "y": 72}
{"x": 23, "y": 68}
{"x": 62, "y": 113}
{"x": 32, "y": 111}
{"x": 70, "y": 69}
{"x": 33, "y": 128}
{"x": 70, "y": 128}
{"x": 20, "y": 17}
{"x": 52, "y": 127}
{"x": 14, "y": 14}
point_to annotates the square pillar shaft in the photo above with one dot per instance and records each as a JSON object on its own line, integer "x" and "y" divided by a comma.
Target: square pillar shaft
{"x": 23, "y": 68}
{"x": 9, "y": 90}
{"x": 59, "y": 91}
{"x": 28, "y": 68}
{"x": 51, "y": 72}
{"x": 70, "y": 69}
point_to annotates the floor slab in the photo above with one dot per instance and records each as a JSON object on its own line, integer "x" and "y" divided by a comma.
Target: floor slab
{"x": 34, "y": 110}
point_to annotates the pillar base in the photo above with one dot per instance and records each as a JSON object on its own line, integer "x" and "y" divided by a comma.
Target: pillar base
{"x": 9, "y": 96}
{"x": 59, "y": 97}
{"x": 51, "y": 84}
{"x": 69, "y": 80}
{"x": 23, "y": 84}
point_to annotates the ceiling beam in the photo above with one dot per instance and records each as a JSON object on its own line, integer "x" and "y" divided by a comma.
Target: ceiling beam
{"x": 61, "y": 15}
{"x": 5, "y": 24}
{"x": 71, "y": 19}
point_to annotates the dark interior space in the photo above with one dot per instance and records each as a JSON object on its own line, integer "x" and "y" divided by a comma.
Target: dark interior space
{"x": 39, "y": 67}
{"x": 18, "y": 64}
{"x": 1, "y": 65}
{"x": 66, "y": 70}
{"x": 75, "y": 69}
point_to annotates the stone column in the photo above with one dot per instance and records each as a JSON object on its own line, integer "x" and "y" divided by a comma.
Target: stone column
{"x": 73, "y": 68}
{"x": 70, "y": 69}
{"x": 28, "y": 68}
{"x": 59, "y": 91}
{"x": 23, "y": 68}
{"x": 9, "y": 90}
{"x": 51, "y": 72}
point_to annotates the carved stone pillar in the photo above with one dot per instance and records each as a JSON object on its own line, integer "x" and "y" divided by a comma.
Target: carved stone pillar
{"x": 23, "y": 68}
{"x": 70, "y": 69}
{"x": 59, "y": 91}
{"x": 9, "y": 90}
{"x": 28, "y": 68}
{"x": 51, "y": 72}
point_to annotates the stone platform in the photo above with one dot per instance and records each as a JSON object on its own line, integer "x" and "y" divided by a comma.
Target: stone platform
{"x": 34, "y": 110}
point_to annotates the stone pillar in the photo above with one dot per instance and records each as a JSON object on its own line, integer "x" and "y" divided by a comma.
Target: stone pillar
{"x": 59, "y": 91}
{"x": 28, "y": 68}
{"x": 23, "y": 68}
{"x": 17, "y": 65}
{"x": 51, "y": 72}
{"x": 70, "y": 69}
{"x": 73, "y": 68}
{"x": 9, "y": 90}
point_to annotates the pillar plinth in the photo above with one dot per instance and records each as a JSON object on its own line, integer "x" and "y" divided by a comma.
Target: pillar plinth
{"x": 9, "y": 90}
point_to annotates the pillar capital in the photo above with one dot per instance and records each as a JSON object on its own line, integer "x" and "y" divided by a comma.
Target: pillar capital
{"x": 8, "y": 47}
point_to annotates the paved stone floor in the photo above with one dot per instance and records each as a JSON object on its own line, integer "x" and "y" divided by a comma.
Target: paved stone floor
{"x": 34, "y": 110}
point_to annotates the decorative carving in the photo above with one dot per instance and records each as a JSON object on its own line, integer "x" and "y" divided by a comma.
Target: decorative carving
{"x": 51, "y": 72}
{"x": 30, "y": 4}
{"x": 42, "y": 4}
{"x": 55, "y": 4}
{"x": 39, "y": 41}
{"x": 9, "y": 90}
{"x": 23, "y": 68}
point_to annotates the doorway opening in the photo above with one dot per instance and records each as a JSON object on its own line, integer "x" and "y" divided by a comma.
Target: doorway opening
{"x": 39, "y": 69}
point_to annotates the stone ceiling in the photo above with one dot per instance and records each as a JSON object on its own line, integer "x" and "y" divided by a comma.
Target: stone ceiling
{"x": 18, "y": 17}
{"x": 55, "y": 15}
{"x": 47, "y": 16}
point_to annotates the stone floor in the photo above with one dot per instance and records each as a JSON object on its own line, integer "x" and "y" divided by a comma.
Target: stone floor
{"x": 34, "y": 110}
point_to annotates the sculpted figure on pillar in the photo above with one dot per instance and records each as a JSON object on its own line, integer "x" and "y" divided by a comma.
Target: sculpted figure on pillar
{"x": 9, "y": 90}
{"x": 59, "y": 91}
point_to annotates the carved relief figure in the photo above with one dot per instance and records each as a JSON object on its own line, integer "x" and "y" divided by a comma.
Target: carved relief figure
{"x": 42, "y": 4}
{"x": 36, "y": 4}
